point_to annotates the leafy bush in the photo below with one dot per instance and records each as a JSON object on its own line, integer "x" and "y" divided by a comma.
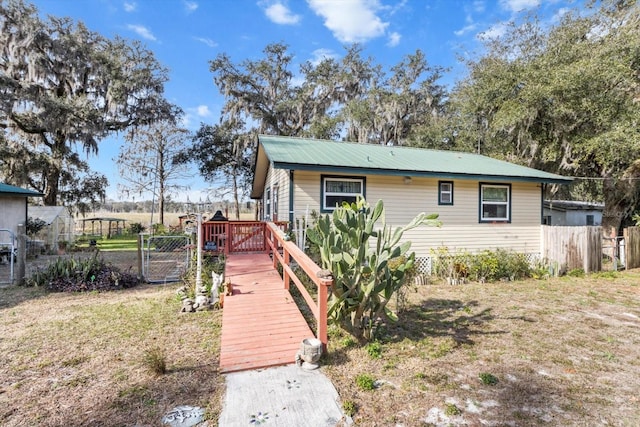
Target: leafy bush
{"x": 451, "y": 410}
{"x": 74, "y": 275}
{"x": 486, "y": 266}
{"x": 136, "y": 228}
{"x": 576, "y": 272}
{"x": 488, "y": 379}
{"x": 349, "y": 407}
{"x": 155, "y": 360}
{"x": 374, "y": 350}
{"x": 365, "y": 382}
{"x": 34, "y": 225}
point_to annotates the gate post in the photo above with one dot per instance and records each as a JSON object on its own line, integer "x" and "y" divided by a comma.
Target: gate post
{"x": 140, "y": 244}
{"x": 21, "y": 264}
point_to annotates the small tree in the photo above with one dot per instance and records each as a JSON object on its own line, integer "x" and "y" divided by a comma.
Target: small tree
{"x": 147, "y": 163}
{"x": 34, "y": 225}
{"x": 366, "y": 274}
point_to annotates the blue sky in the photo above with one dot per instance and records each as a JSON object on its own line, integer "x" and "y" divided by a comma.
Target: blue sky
{"x": 186, "y": 34}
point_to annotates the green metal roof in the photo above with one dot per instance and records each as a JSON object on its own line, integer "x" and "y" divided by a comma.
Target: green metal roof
{"x": 344, "y": 157}
{"x": 17, "y": 191}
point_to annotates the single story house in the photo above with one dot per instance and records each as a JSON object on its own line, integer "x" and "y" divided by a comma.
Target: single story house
{"x": 483, "y": 203}
{"x": 13, "y": 210}
{"x": 572, "y": 212}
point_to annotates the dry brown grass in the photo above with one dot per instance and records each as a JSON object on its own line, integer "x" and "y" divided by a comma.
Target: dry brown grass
{"x": 79, "y": 359}
{"x": 565, "y": 352}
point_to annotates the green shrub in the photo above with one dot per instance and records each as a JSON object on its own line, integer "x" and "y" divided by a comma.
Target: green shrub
{"x": 374, "y": 349}
{"x": 451, "y": 410}
{"x": 365, "y": 382}
{"x": 486, "y": 266}
{"x": 136, "y": 228}
{"x": 34, "y": 225}
{"x": 349, "y": 408}
{"x": 576, "y": 272}
{"x": 488, "y": 379}
{"x": 82, "y": 275}
{"x": 155, "y": 361}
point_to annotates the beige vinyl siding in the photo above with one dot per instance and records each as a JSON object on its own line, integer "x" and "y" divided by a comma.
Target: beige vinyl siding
{"x": 461, "y": 229}
{"x": 13, "y": 211}
{"x": 306, "y": 193}
{"x": 279, "y": 178}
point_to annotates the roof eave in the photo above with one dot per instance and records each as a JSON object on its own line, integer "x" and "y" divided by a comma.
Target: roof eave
{"x": 414, "y": 173}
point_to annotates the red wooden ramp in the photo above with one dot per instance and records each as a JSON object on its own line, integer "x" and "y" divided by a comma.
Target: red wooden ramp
{"x": 261, "y": 324}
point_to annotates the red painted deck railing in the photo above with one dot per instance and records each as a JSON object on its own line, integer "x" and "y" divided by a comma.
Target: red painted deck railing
{"x": 234, "y": 236}
{"x": 290, "y": 251}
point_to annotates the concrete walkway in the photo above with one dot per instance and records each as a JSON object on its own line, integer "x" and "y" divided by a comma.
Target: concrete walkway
{"x": 282, "y": 396}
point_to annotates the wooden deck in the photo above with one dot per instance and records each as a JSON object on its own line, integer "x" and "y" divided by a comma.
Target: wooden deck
{"x": 261, "y": 324}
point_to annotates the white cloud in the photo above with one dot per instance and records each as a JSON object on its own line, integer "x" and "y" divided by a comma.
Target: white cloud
{"x": 207, "y": 41}
{"x": 465, "y": 30}
{"x": 350, "y": 21}
{"x": 557, "y": 17}
{"x": 280, "y": 14}
{"x": 494, "y": 32}
{"x": 319, "y": 54}
{"x": 130, "y": 7}
{"x": 394, "y": 39}
{"x": 203, "y": 111}
{"x": 479, "y": 6}
{"x": 518, "y": 5}
{"x": 142, "y": 31}
{"x": 190, "y": 6}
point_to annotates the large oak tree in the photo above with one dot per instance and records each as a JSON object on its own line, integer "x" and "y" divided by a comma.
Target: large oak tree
{"x": 63, "y": 88}
{"x": 564, "y": 99}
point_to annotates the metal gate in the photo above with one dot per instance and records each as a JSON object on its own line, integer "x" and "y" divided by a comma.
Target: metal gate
{"x": 7, "y": 256}
{"x": 165, "y": 258}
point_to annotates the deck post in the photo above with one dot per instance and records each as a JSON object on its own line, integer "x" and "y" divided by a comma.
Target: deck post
{"x": 274, "y": 240}
{"x": 323, "y": 294}
{"x": 285, "y": 271}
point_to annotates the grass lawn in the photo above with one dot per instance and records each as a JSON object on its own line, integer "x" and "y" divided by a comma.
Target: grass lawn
{"x": 79, "y": 359}
{"x": 123, "y": 242}
{"x": 558, "y": 352}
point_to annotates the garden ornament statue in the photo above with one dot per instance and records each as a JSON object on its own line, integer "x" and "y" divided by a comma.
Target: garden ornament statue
{"x": 309, "y": 353}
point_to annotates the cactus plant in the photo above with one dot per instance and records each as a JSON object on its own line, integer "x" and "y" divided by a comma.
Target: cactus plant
{"x": 368, "y": 263}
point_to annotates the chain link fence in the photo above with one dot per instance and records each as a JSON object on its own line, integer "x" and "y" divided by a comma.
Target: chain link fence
{"x": 165, "y": 258}
{"x": 7, "y": 256}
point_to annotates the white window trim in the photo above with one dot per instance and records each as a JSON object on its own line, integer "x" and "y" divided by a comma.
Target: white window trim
{"x": 326, "y": 193}
{"x": 441, "y": 192}
{"x": 506, "y": 203}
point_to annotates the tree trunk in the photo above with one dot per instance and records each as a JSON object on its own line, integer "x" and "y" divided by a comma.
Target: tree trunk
{"x": 161, "y": 202}
{"x": 53, "y": 172}
{"x": 615, "y": 206}
{"x": 236, "y": 201}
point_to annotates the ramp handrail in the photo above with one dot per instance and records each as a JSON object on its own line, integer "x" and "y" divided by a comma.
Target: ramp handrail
{"x": 276, "y": 241}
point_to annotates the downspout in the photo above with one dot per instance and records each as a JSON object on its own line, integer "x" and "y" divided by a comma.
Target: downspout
{"x": 291, "y": 212}
{"x": 542, "y": 191}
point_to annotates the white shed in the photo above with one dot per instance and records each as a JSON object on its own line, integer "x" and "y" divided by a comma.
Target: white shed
{"x": 60, "y": 225}
{"x": 13, "y": 209}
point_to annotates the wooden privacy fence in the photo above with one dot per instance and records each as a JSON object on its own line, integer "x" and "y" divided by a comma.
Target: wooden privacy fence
{"x": 631, "y": 247}
{"x": 569, "y": 248}
{"x": 284, "y": 252}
